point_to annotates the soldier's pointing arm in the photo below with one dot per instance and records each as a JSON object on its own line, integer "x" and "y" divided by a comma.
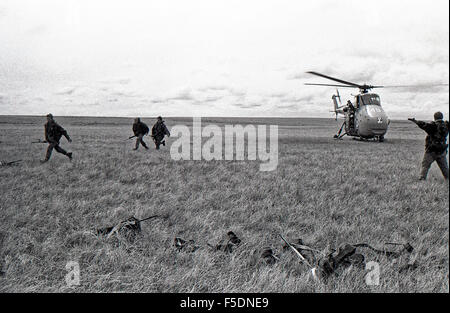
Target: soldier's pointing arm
{"x": 428, "y": 127}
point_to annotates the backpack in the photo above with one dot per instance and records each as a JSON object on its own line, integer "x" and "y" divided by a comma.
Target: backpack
{"x": 438, "y": 141}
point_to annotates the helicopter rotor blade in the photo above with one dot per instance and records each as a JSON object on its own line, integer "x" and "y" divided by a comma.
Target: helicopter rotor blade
{"x": 329, "y": 85}
{"x": 419, "y": 85}
{"x": 335, "y": 79}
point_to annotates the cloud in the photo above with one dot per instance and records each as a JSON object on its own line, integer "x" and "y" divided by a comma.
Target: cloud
{"x": 222, "y": 89}
{"x": 124, "y": 93}
{"x": 296, "y": 99}
{"x": 182, "y": 95}
{"x": 288, "y": 106}
{"x": 214, "y": 88}
{"x": 205, "y": 95}
{"x": 90, "y": 104}
{"x": 2, "y": 12}
{"x": 66, "y": 91}
{"x": 37, "y": 30}
{"x": 299, "y": 75}
{"x": 433, "y": 88}
{"x": 278, "y": 95}
{"x": 366, "y": 76}
{"x": 237, "y": 93}
{"x": 119, "y": 80}
{"x": 150, "y": 51}
{"x": 247, "y": 105}
{"x": 2, "y": 98}
{"x": 212, "y": 98}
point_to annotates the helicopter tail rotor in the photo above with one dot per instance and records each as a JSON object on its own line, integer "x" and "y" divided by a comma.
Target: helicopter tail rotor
{"x": 336, "y": 104}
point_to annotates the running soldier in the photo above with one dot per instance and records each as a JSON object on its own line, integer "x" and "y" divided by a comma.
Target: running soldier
{"x": 53, "y": 134}
{"x": 140, "y": 129}
{"x": 159, "y": 130}
{"x": 435, "y": 144}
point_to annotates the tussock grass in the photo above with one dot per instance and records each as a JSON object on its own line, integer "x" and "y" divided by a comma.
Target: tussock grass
{"x": 324, "y": 191}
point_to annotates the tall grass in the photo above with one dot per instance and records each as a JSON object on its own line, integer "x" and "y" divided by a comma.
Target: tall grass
{"x": 324, "y": 191}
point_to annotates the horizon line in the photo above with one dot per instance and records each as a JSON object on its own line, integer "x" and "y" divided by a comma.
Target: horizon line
{"x": 185, "y": 116}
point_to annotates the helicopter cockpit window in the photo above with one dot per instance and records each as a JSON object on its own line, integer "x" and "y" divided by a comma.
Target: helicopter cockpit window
{"x": 372, "y": 99}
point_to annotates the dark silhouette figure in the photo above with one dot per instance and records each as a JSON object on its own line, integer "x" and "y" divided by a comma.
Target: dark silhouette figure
{"x": 53, "y": 134}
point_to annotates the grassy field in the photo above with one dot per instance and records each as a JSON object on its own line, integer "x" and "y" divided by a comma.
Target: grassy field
{"x": 324, "y": 191}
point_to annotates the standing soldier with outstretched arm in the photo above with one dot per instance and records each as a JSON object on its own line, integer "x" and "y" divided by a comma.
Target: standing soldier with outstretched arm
{"x": 140, "y": 129}
{"x": 53, "y": 133}
{"x": 435, "y": 144}
{"x": 159, "y": 130}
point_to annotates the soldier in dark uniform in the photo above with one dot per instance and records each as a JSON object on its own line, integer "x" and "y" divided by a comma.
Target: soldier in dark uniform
{"x": 159, "y": 130}
{"x": 351, "y": 115}
{"x": 53, "y": 133}
{"x": 435, "y": 144}
{"x": 140, "y": 129}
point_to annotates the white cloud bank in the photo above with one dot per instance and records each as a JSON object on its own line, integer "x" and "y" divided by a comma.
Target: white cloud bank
{"x": 218, "y": 58}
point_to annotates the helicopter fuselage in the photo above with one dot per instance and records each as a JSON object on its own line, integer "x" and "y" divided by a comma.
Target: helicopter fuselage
{"x": 364, "y": 118}
{"x": 370, "y": 119}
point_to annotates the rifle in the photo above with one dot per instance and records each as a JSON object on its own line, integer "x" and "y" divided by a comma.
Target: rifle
{"x": 131, "y": 137}
{"x": 296, "y": 252}
{"x": 40, "y": 141}
{"x": 313, "y": 269}
{"x": 9, "y": 163}
{"x": 149, "y": 218}
{"x": 412, "y": 120}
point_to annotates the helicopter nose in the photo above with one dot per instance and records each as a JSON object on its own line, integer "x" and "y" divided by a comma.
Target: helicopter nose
{"x": 379, "y": 122}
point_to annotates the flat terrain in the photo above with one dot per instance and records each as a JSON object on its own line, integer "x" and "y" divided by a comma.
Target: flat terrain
{"x": 324, "y": 191}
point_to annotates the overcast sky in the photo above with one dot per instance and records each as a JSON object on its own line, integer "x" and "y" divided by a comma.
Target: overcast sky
{"x": 219, "y": 58}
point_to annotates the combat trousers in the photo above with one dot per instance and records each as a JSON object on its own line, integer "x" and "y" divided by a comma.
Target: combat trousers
{"x": 429, "y": 158}
{"x": 158, "y": 139}
{"x": 51, "y": 146}
{"x": 140, "y": 141}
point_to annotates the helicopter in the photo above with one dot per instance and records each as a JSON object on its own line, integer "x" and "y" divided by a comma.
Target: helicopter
{"x": 364, "y": 118}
